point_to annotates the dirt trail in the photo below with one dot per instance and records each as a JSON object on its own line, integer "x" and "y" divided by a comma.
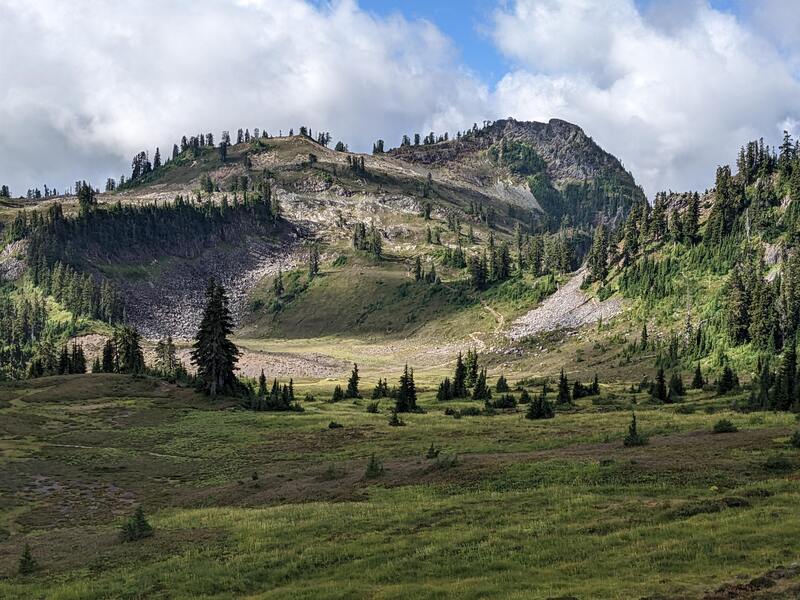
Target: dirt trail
{"x": 569, "y": 307}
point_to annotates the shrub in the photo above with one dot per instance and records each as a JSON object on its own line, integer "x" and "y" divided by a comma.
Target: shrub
{"x": 338, "y": 394}
{"x": 778, "y": 463}
{"x": 372, "y": 407}
{"x": 445, "y": 462}
{"x": 395, "y": 420}
{"x": 432, "y": 452}
{"x": 794, "y": 441}
{"x": 374, "y": 468}
{"x": 27, "y": 564}
{"x": 136, "y": 527}
{"x": 685, "y": 409}
{"x": 524, "y": 397}
{"x": 504, "y": 401}
{"x": 540, "y": 408}
{"x": 335, "y": 425}
{"x": 634, "y": 438}
{"x": 724, "y": 426}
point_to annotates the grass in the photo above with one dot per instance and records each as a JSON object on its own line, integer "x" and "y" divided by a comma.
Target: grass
{"x": 270, "y": 505}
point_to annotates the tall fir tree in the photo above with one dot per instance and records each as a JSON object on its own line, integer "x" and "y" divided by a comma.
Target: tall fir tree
{"x": 214, "y": 355}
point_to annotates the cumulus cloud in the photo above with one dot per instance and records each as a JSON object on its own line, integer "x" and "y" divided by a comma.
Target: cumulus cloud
{"x": 89, "y": 84}
{"x": 670, "y": 92}
{"x": 672, "y": 89}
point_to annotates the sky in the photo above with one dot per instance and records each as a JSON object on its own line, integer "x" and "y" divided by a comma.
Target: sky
{"x": 672, "y": 88}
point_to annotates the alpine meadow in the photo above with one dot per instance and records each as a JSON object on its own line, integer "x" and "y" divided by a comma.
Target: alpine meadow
{"x": 485, "y": 359}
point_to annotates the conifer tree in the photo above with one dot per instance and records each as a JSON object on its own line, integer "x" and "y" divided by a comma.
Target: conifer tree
{"x": 445, "y": 391}
{"x": 459, "y": 387}
{"x": 540, "y": 407}
{"x": 634, "y": 438}
{"x": 262, "y": 385}
{"x": 109, "y": 363}
{"x": 659, "y": 391}
{"x": 407, "y": 392}
{"x": 598, "y": 255}
{"x": 27, "y": 564}
{"x": 129, "y": 357}
{"x": 313, "y": 261}
{"x": 697, "y": 380}
{"x": 214, "y": 354}
{"x": 136, "y": 528}
{"x": 563, "y": 389}
{"x": 502, "y": 385}
{"x": 352, "y": 384}
{"x": 481, "y": 391}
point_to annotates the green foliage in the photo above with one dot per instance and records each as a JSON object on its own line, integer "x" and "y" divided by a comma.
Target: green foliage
{"x": 374, "y": 468}
{"x": 540, "y": 408}
{"x": 27, "y": 564}
{"x": 136, "y": 527}
{"x": 520, "y": 158}
{"x": 724, "y": 426}
{"x": 634, "y": 438}
{"x": 794, "y": 440}
{"x": 214, "y": 354}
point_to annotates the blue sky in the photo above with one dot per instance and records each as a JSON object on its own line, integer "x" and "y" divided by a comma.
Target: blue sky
{"x": 672, "y": 88}
{"x": 468, "y": 24}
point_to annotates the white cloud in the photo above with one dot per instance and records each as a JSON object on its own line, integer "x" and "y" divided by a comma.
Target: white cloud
{"x": 672, "y": 95}
{"x": 89, "y": 84}
{"x": 672, "y": 89}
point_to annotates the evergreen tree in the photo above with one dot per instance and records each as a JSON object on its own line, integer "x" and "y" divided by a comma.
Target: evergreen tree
{"x": 136, "y": 528}
{"x": 109, "y": 362}
{"x": 27, "y": 564}
{"x": 786, "y": 384}
{"x": 459, "y": 387}
{"x": 481, "y": 391}
{"x": 445, "y": 391}
{"x": 214, "y": 354}
{"x": 563, "y": 389}
{"x": 407, "y": 392}
{"x": 129, "y": 357}
{"x": 598, "y": 255}
{"x": 502, "y": 385}
{"x": 659, "y": 390}
{"x": 352, "y": 384}
{"x": 540, "y": 407}
{"x": 676, "y": 389}
{"x": 313, "y": 261}
{"x": 697, "y": 380}
{"x": 262, "y": 385}
{"x": 634, "y": 438}
{"x": 471, "y": 365}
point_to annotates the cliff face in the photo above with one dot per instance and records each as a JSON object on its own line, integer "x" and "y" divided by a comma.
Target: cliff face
{"x": 570, "y": 154}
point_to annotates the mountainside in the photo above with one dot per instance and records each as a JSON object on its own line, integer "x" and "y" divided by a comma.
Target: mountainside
{"x": 546, "y": 180}
{"x": 276, "y": 369}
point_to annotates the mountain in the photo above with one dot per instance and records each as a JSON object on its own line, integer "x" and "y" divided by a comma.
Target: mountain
{"x": 466, "y": 367}
{"x": 548, "y": 180}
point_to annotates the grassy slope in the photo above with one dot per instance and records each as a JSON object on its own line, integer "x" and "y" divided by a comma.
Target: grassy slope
{"x": 531, "y": 509}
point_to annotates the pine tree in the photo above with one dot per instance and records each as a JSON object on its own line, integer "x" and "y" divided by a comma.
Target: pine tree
{"x": 659, "y": 391}
{"x": 128, "y": 355}
{"x": 598, "y": 255}
{"x": 27, "y": 564}
{"x": 471, "y": 365}
{"x": 540, "y": 407}
{"x": 445, "y": 391}
{"x": 214, "y": 354}
{"x": 676, "y": 389}
{"x": 262, "y": 385}
{"x": 697, "y": 380}
{"x": 313, "y": 261}
{"x": 406, "y": 393}
{"x": 481, "y": 391}
{"x": 502, "y": 385}
{"x": 136, "y": 528}
{"x": 634, "y": 438}
{"x": 352, "y": 384}
{"x": 459, "y": 387}
{"x": 563, "y": 389}
{"x": 109, "y": 362}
